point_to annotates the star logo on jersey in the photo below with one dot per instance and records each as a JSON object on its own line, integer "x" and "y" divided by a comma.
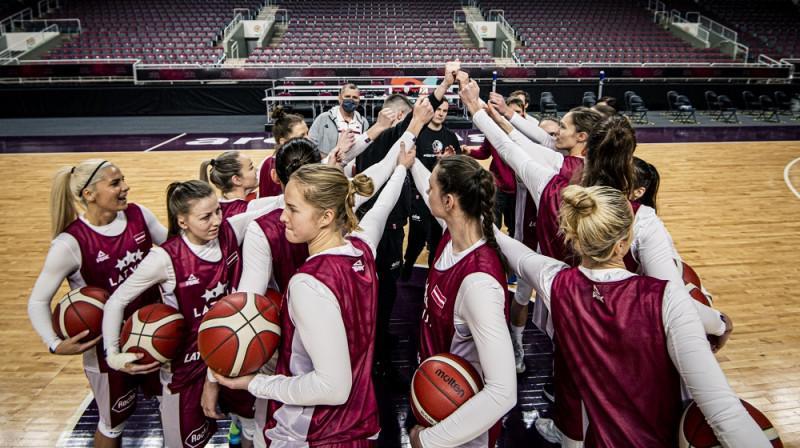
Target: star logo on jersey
{"x": 102, "y": 256}
{"x": 219, "y": 290}
{"x": 192, "y": 280}
{"x": 596, "y": 294}
{"x": 358, "y": 266}
{"x": 131, "y": 258}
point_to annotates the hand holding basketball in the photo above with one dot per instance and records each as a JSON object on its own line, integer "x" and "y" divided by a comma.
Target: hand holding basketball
{"x": 208, "y": 401}
{"x": 413, "y": 436}
{"x": 127, "y": 362}
{"x": 74, "y": 346}
{"x": 241, "y": 382}
{"x": 717, "y": 342}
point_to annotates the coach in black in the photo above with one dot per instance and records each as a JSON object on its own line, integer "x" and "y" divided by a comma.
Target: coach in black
{"x": 389, "y": 259}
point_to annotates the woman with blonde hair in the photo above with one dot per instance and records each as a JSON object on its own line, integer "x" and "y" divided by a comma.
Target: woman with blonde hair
{"x": 100, "y": 246}
{"x": 618, "y": 334}
{"x": 196, "y": 266}
{"x": 234, "y": 174}
{"x": 322, "y": 392}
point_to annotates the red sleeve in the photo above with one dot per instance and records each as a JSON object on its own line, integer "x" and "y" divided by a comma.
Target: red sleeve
{"x": 483, "y": 152}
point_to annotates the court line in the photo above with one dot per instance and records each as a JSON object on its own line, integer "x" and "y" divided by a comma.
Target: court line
{"x": 168, "y": 141}
{"x": 64, "y": 438}
{"x": 786, "y": 177}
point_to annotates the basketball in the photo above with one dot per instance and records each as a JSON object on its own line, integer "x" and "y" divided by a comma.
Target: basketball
{"x": 158, "y": 331}
{"x": 688, "y": 274}
{"x": 239, "y": 334}
{"x": 441, "y": 384}
{"x": 276, "y": 297}
{"x": 695, "y": 432}
{"x": 79, "y": 310}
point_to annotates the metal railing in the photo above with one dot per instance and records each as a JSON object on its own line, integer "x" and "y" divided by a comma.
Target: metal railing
{"x": 712, "y": 25}
{"x": 282, "y": 12}
{"x": 48, "y": 6}
{"x": 229, "y": 28}
{"x": 11, "y": 54}
{"x": 7, "y": 24}
{"x": 738, "y": 49}
{"x": 243, "y": 11}
{"x": 58, "y": 23}
{"x": 500, "y": 17}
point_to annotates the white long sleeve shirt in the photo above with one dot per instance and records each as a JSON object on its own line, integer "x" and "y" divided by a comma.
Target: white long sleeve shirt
{"x": 482, "y": 338}
{"x": 315, "y": 312}
{"x": 652, "y": 245}
{"x": 64, "y": 261}
{"x": 686, "y": 343}
{"x": 256, "y": 252}
{"x": 157, "y": 269}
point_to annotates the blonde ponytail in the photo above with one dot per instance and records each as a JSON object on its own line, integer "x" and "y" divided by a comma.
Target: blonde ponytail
{"x": 67, "y": 189}
{"x": 327, "y": 188}
{"x": 594, "y": 219}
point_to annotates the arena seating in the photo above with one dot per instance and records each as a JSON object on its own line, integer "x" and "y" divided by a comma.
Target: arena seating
{"x": 370, "y": 32}
{"x": 150, "y": 30}
{"x": 574, "y": 31}
{"x": 769, "y": 27}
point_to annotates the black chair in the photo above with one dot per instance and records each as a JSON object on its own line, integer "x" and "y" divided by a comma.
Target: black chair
{"x": 671, "y": 97}
{"x": 684, "y": 111}
{"x": 783, "y": 103}
{"x": 751, "y": 104}
{"x": 547, "y": 105}
{"x": 712, "y": 104}
{"x": 589, "y": 99}
{"x": 727, "y": 111}
{"x": 768, "y": 110}
{"x": 627, "y": 97}
{"x": 638, "y": 111}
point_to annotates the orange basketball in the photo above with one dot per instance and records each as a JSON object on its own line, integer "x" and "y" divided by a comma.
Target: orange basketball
{"x": 80, "y": 309}
{"x": 156, "y": 330}
{"x": 239, "y": 334}
{"x": 695, "y": 432}
{"x": 441, "y": 384}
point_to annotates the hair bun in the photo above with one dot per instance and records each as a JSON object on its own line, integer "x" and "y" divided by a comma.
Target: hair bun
{"x": 580, "y": 199}
{"x": 278, "y": 112}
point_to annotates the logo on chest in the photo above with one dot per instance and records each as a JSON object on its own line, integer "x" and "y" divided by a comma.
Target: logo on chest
{"x": 437, "y": 296}
{"x": 192, "y": 280}
{"x": 130, "y": 259}
{"x": 358, "y": 266}
{"x": 101, "y": 257}
{"x": 218, "y": 291}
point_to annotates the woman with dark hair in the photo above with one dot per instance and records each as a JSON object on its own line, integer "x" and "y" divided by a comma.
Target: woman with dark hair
{"x": 322, "y": 393}
{"x": 93, "y": 248}
{"x": 195, "y": 267}
{"x": 605, "y": 318}
{"x": 235, "y": 176}
{"x": 465, "y": 311}
{"x": 647, "y": 182}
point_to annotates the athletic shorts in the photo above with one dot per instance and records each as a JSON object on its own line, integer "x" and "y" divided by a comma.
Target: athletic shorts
{"x": 115, "y": 393}
{"x": 182, "y": 418}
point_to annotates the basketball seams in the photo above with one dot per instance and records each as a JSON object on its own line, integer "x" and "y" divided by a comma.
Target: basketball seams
{"x": 240, "y": 323}
{"x": 443, "y": 392}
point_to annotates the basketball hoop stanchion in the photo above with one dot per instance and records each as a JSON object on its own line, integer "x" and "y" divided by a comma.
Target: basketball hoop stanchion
{"x": 600, "y": 86}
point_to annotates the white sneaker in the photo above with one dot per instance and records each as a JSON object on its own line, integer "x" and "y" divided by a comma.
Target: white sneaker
{"x": 548, "y": 430}
{"x": 519, "y": 356}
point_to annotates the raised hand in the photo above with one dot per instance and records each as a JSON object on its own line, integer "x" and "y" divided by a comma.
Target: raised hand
{"x": 385, "y": 118}
{"x": 499, "y": 103}
{"x": 407, "y": 159}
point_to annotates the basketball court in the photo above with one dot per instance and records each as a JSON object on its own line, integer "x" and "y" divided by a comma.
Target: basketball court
{"x": 726, "y": 196}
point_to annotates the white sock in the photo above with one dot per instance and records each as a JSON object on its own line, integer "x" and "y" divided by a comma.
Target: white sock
{"x": 516, "y": 333}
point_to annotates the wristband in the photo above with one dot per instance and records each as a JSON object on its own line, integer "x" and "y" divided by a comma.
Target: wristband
{"x": 367, "y": 140}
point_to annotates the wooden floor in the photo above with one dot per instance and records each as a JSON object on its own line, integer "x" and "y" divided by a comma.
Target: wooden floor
{"x": 727, "y": 206}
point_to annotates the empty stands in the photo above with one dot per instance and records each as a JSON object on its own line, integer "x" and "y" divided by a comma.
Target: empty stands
{"x": 151, "y": 30}
{"x": 576, "y": 31}
{"x": 370, "y": 32}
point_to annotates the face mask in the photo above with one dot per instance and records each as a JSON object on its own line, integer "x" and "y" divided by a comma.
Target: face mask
{"x": 349, "y": 105}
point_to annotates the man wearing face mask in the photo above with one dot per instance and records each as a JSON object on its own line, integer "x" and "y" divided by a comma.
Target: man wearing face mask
{"x": 327, "y": 127}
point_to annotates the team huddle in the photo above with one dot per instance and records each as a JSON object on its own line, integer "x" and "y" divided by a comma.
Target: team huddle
{"x": 326, "y": 232}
